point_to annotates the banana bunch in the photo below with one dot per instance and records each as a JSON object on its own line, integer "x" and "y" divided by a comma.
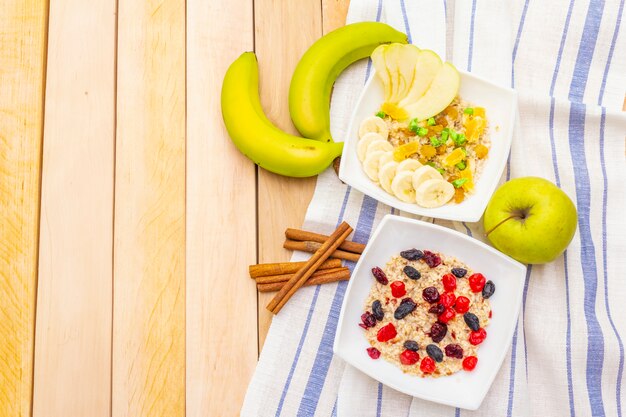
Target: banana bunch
{"x": 309, "y": 101}
{"x": 407, "y": 180}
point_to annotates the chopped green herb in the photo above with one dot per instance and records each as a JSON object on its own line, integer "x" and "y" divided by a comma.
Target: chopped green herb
{"x": 461, "y": 139}
{"x": 435, "y": 142}
{"x": 469, "y": 110}
{"x": 413, "y": 126}
{"x": 441, "y": 170}
{"x": 444, "y": 136}
{"x": 431, "y": 121}
{"x": 461, "y": 165}
{"x": 431, "y": 164}
{"x": 381, "y": 114}
{"x": 422, "y": 131}
{"x": 453, "y": 135}
{"x": 458, "y": 183}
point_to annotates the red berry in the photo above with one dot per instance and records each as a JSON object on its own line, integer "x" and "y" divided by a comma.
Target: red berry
{"x": 397, "y": 289}
{"x": 447, "y": 315}
{"x": 449, "y": 282}
{"x": 373, "y": 352}
{"x": 386, "y": 333}
{"x": 469, "y": 363}
{"x": 490, "y": 313}
{"x": 409, "y": 357}
{"x": 477, "y": 337}
{"x": 447, "y": 299}
{"x": 462, "y": 304}
{"x": 432, "y": 259}
{"x": 477, "y": 282}
{"x": 428, "y": 365}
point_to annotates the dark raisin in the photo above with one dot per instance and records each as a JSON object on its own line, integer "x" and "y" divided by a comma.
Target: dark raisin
{"x": 434, "y": 352}
{"x": 472, "y": 321}
{"x": 411, "y": 345}
{"x": 430, "y": 295}
{"x": 459, "y": 272}
{"x": 454, "y": 351}
{"x": 489, "y": 289}
{"x": 431, "y": 259}
{"x": 377, "y": 309}
{"x": 412, "y": 272}
{"x": 406, "y": 306}
{"x": 380, "y": 275}
{"x": 438, "y": 331}
{"x": 437, "y": 309}
{"x": 412, "y": 254}
{"x": 368, "y": 319}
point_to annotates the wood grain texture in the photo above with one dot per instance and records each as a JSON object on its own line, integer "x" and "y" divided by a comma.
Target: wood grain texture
{"x": 73, "y": 332}
{"x": 221, "y": 219}
{"x": 22, "y": 74}
{"x": 149, "y": 259}
{"x": 334, "y": 14}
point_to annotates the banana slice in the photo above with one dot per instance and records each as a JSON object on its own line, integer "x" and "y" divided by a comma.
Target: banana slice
{"x": 361, "y": 147}
{"x": 386, "y": 174}
{"x": 374, "y": 124}
{"x": 402, "y": 186}
{"x": 409, "y": 165}
{"x": 370, "y": 165}
{"x": 434, "y": 193}
{"x": 378, "y": 145}
{"x": 387, "y": 157}
{"x": 423, "y": 174}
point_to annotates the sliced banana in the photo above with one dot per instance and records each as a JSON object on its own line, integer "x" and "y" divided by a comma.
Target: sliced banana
{"x": 378, "y": 145}
{"x": 425, "y": 173}
{"x": 434, "y": 193}
{"x": 386, "y": 174}
{"x": 409, "y": 165}
{"x": 387, "y": 157}
{"x": 370, "y": 165}
{"x": 374, "y": 124}
{"x": 361, "y": 147}
{"x": 402, "y": 186}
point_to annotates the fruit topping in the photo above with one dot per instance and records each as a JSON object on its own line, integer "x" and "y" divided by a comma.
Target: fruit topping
{"x": 398, "y": 289}
{"x": 447, "y": 299}
{"x": 411, "y": 272}
{"x": 472, "y": 321}
{"x": 431, "y": 259}
{"x": 412, "y": 254}
{"x": 386, "y": 333}
{"x": 459, "y": 272}
{"x": 405, "y": 308}
{"x": 447, "y": 315}
{"x": 377, "y": 310}
{"x": 380, "y": 275}
{"x": 454, "y": 351}
{"x": 438, "y": 331}
{"x": 462, "y": 304}
{"x": 469, "y": 363}
{"x": 477, "y": 282}
{"x": 411, "y": 345}
{"x": 427, "y": 365}
{"x": 434, "y": 352}
{"x": 449, "y": 282}
{"x": 489, "y": 289}
{"x": 409, "y": 357}
{"x": 430, "y": 295}
{"x": 373, "y": 352}
{"x": 437, "y": 309}
{"x": 368, "y": 320}
{"x": 476, "y": 338}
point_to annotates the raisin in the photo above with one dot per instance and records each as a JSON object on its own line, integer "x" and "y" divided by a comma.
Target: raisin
{"x": 411, "y": 345}
{"x": 459, "y": 272}
{"x": 412, "y": 254}
{"x": 373, "y": 352}
{"x": 472, "y": 321}
{"x": 489, "y": 289}
{"x": 438, "y": 331}
{"x": 380, "y": 275}
{"x": 412, "y": 272}
{"x": 368, "y": 319}
{"x": 377, "y": 309}
{"x": 406, "y": 306}
{"x": 437, "y": 309}
{"x": 430, "y": 295}
{"x": 454, "y": 351}
{"x": 431, "y": 259}
{"x": 434, "y": 352}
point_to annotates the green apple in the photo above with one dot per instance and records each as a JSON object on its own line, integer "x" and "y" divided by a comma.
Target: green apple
{"x": 530, "y": 219}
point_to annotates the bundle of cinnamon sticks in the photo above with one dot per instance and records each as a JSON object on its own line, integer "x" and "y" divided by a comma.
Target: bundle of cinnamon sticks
{"x": 323, "y": 267}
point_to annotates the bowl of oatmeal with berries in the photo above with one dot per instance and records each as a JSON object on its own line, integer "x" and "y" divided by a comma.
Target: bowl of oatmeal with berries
{"x": 430, "y": 312}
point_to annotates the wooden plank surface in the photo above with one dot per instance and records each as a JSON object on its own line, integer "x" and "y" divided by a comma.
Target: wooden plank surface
{"x": 73, "y": 332}
{"x": 149, "y": 259}
{"x": 221, "y": 219}
{"x": 22, "y": 74}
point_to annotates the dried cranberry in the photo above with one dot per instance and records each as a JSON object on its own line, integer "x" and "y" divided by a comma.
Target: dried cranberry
{"x": 373, "y": 352}
{"x": 409, "y": 357}
{"x": 469, "y": 363}
{"x": 386, "y": 333}
{"x": 431, "y": 259}
{"x": 472, "y": 321}
{"x": 428, "y": 365}
{"x": 380, "y": 275}
{"x": 377, "y": 310}
{"x": 449, "y": 282}
{"x": 434, "y": 352}
{"x": 489, "y": 289}
{"x": 437, "y": 309}
{"x": 490, "y": 313}
{"x": 438, "y": 331}
{"x": 462, "y": 304}
{"x": 411, "y": 272}
{"x": 476, "y": 338}
{"x": 430, "y": 295}
{"x": 454, "y": 351}
{"x": 477, "y": 282}
{"x": 411, "y": 345}
{"x": 406, "y": 307}
{"x": 412, "y": 254}
{"x": 447, "y": 299}
{"x": 397, "y": 289}
{"x": 368, "y": 319}
{"x": 459, "y": 272}
{"x": 447, "y": 315}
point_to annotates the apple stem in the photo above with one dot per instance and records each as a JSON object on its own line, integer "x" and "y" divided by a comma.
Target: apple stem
{"x": 512, "y": 216}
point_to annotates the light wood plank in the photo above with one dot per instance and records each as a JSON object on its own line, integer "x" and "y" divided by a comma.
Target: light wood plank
{"x": 334, "y": 14}
{"x": 22, "y": 73}
{"x": 221, "y": 221}
{"x": 73, "y": 336}
{"x": 149, "y": 260}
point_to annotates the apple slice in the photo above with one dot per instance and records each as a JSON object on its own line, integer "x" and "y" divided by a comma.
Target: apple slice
{"x": 426, "y": 68}
{"x": 378, "y": 61}
{"x": 439, "y": 95}
{"x": 400, "y": 61}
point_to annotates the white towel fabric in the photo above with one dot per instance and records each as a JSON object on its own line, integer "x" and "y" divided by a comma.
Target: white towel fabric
{"x": 567, "y": 60}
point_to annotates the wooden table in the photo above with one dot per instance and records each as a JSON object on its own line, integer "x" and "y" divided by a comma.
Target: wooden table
{"x": 127, "y": 217}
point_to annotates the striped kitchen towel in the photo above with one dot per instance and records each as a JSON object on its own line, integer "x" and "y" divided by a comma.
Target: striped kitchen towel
{"x": 567, "y": 60}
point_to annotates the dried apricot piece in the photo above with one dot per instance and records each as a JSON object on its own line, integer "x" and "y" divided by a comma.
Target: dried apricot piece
{"x": 479, "y": 111}
{"x": 481, "y": 151}
{"x": 404, "y": 151}
{"x": 454, "y": 157}
{"x": 428, "y": 151}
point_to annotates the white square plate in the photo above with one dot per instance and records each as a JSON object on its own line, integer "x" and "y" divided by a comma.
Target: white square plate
{"x": 462, "y": 389}
{"x": 500, "y": 104}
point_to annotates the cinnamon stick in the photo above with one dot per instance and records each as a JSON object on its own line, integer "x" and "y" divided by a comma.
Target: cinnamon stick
{"x": 300, "y": 277}
{"x": 272, "y": 279}
{"x": 281, "y": 268}
{"x": 311, "y": 247}
{"x": 342, "y": 275}
{"x": 303, "y": 235}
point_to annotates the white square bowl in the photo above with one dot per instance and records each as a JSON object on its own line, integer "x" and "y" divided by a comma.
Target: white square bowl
{"x": 462, "y": 389}
{"x": 500, "y": 104}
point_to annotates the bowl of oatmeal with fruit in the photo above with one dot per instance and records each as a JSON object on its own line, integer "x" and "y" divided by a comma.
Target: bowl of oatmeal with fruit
{"x": 430, "y": 311}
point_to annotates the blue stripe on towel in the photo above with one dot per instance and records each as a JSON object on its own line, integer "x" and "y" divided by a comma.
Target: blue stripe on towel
{"x": 379, "y": 400}
{"x": 608, "y": 64}
{"x": 520, "y": 28}
{"x": 406, "y": 21}
{"x": 471, "y": 37}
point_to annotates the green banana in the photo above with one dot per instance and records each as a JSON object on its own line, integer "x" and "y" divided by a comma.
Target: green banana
{"x": 315, "y": 74}
{"x": 257, "y": 138}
